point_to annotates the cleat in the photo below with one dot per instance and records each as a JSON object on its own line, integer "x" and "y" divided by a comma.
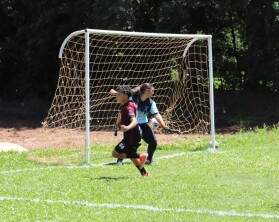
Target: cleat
{"x": 146, "y": 174}
{"x": 119, "y": 162}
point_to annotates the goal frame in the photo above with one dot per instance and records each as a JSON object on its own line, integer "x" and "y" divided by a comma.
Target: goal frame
{"x": 86, "y": 32}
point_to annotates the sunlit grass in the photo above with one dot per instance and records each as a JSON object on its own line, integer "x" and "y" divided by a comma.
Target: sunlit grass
{"x": 241, "y": 177}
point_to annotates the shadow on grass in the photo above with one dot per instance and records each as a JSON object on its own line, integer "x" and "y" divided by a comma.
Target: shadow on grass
{"x": 276, "y": 206}
{"x": 202, "y": 147}
{"x": 110, "y": 178}
{"x": 116, "y": 164}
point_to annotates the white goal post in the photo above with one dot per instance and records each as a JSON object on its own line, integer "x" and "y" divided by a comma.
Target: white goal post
{"x": 94, "y": 61}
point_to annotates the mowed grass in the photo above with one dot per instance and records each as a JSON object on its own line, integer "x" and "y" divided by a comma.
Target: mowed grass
{"x": 188, "y": 183}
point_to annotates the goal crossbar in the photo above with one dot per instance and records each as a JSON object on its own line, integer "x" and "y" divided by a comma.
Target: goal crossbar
{"x": 143, "y": 34}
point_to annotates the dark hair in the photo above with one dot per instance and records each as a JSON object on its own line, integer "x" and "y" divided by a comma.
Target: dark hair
{"x": 145, "y": 86}
{"x": 124, "y": 89}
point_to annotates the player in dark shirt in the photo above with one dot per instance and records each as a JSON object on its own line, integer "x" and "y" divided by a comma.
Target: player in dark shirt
{"x": 145, "y": 107}
{"x": 127, "y": 123}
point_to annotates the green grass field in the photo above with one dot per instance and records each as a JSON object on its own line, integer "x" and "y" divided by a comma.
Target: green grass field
{"x": 188, "y": 183}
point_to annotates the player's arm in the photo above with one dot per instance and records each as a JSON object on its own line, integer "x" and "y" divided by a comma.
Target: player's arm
{"x": 118, "y": 120}
{"x": 113, "y": 92}
{"x": 132, "y": 125}
{"x": 166, "y": 129}
{"x": 155, "y": 113}
{"x": 117, "y": 123}
{"x": 160, "y": 120}
{"x": 136, "y": 89}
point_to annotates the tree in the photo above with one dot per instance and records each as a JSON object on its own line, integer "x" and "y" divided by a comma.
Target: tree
{"x": 262, "y": 38}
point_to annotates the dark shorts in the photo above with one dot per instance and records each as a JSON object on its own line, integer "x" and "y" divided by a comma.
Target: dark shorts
{"x": 125, "y": 147}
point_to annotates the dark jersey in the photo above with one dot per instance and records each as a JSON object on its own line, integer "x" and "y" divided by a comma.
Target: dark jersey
{"x": 129, "y": 110}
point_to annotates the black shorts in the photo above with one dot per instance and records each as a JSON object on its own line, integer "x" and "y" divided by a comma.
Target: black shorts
{"x": 129, "y": 149}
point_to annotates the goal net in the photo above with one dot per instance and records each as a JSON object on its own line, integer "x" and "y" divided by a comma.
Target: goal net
{"x": 176, "y": 65}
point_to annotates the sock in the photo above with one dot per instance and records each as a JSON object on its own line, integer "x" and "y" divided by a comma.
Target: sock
{"x": 142, "y": 170}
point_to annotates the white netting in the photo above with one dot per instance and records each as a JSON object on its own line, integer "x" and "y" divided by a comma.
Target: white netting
{"x": 177, "y": 68}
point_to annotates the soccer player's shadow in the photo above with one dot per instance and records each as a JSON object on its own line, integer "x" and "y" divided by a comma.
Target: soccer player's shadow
{"x": 128, "y": 162}
{"x": 110, "y": 178}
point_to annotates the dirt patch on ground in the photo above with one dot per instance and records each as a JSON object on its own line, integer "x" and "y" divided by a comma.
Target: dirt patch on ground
{"x": 33, "y": 138}
{"x": 20, "y": 122}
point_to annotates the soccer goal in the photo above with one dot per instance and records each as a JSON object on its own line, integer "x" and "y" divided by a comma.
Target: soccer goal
{"x": 94, "y": 61}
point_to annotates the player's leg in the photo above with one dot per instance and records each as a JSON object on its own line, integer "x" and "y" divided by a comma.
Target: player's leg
{"x": 140, "y": 167}
{"x": 149, "y": 137}
{"x": 124, "y": 150}
{"x": 119, "y": 160}
{"x": 115, "y": 154}
{"x": 120, "y": 150}
{"x": 137, "y": 159}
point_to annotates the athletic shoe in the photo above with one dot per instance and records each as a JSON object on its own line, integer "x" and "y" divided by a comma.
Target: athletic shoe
{"x": 119, "y": 162}
{"x": 146, "y": 174}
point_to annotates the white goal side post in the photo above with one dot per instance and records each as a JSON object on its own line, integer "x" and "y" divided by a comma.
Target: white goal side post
{"x": 94, "y": 61}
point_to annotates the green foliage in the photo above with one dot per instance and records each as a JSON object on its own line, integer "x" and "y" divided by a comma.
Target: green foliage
{"x": 173, "y": 72}
{"x": 174, "y": 75}
{"x": 218, "y": 83}
{"x": 245, "y": 37}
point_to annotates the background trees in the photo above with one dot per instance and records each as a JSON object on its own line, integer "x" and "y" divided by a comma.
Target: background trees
{"x": 245, "y": 34}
